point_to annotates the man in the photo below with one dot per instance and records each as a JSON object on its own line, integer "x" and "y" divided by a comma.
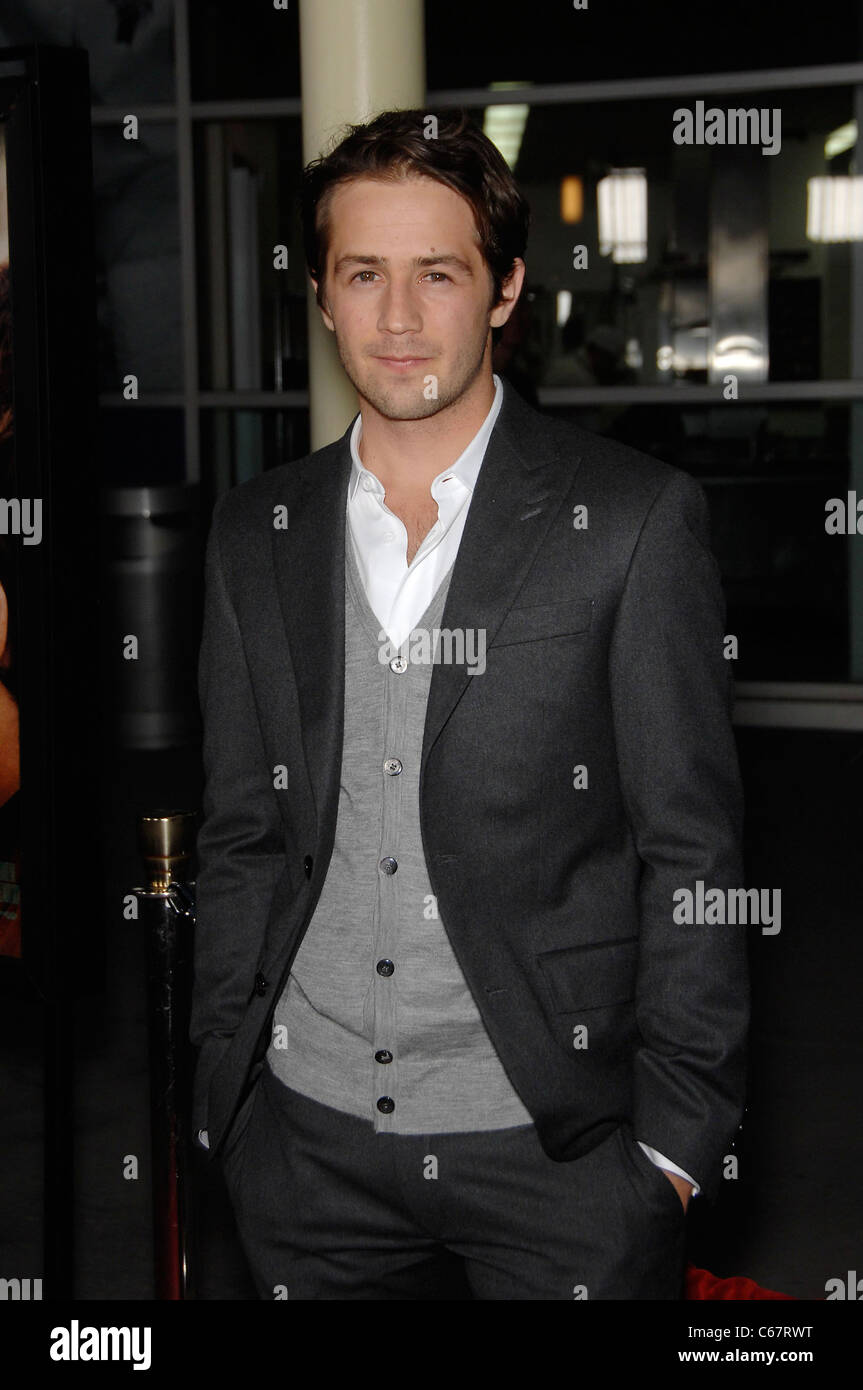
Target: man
{"x": 466, "y": 735}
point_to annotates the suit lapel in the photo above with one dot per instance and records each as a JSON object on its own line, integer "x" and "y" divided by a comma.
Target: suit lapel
{"x": 309, "y": 561}
{"x": 519, "y": 488}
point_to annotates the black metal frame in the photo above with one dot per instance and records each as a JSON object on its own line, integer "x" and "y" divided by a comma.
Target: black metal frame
{"x": 45, "y": 106}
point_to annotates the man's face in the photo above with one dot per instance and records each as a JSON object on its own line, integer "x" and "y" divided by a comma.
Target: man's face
{"x": 408, "y": 294}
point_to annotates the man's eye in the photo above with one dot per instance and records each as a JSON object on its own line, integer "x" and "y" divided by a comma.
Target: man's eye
{"x": 372, "y": 274}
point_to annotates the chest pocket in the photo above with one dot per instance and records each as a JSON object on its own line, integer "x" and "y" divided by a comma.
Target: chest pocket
{"x": 543, "y": 620}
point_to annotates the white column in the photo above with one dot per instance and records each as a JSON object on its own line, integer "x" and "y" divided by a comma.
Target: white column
{"x": 357, "y": 58}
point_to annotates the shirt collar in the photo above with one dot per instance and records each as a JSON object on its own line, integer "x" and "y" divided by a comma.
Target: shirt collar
{"x": 467, "y": 465}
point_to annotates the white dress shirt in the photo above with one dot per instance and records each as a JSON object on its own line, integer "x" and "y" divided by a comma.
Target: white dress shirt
{"x": 399, "y": 593}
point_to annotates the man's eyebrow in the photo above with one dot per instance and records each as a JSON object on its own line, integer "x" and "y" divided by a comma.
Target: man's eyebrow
{"x": 449, "y": 258}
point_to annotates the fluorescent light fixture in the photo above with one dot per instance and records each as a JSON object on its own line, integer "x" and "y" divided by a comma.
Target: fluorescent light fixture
{"x": 834, "y": 208}
{"x": 504, "y": 125}
{"x": 563, "y": 307}
{"x": 633, "y": 355}
{"x": 571, "y": 198}
{"x": 622, "y": 205}
{"x": 839, "y": 140}
{"x": 740, "y": 352}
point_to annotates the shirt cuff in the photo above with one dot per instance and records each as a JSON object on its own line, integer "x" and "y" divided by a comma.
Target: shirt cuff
{"x": 203, "y": 1138}
{"x": 662, "y": 1162}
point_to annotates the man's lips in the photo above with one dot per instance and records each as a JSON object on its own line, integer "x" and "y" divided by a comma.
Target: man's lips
{"x": 401, "y": 363}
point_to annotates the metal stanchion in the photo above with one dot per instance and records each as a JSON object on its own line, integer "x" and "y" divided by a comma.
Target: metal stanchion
{"x": 166, "y": 908}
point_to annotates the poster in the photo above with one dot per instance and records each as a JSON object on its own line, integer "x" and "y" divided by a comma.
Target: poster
{"x": 10, "y": 771}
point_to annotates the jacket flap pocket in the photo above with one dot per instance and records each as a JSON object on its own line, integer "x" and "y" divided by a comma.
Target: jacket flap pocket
{"x": 544, "y": 620}
{"x": 591, "y": 977}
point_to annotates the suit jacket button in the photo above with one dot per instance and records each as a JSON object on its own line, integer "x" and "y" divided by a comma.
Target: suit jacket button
{"x": 260, "y": 984}
{"x": 386, "y": 1105}
{"x": 307, "y": 865}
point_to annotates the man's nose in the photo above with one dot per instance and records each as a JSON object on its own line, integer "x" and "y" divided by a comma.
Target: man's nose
{"x": 400, "y": 311}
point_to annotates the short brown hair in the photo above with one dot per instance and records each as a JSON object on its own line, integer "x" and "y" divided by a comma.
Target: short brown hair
{"x": 395, "y": 145}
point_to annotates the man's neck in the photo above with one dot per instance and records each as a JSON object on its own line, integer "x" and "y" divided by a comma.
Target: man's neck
{"x": 407, "y": 455}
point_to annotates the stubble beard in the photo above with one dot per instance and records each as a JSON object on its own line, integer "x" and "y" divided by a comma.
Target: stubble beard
{"x": 409, "y": 402}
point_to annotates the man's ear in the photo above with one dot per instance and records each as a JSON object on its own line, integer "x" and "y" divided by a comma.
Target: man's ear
{"x": 322, "y": 305}
{"x": 510, "y": 291}
{"x": 4, "y": 627}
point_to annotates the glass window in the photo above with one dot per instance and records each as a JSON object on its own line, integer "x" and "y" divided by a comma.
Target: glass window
{"x": 561, "y": 43}
{"x": 137, "y": 237}
{"x": 140, "y": 445}
{"x": 768, "y": 472}
{"x": 243, "y": 51}
{"x": 130, "y": 47}
{"x": 251, "y": 271}
{"x": 238, "y": 444}
{"x": 653, "y": 262}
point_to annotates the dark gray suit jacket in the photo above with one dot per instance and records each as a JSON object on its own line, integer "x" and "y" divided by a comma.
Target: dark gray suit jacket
{"x": 604, "y": 649}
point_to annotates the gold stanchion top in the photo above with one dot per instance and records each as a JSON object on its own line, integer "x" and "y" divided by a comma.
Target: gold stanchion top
{"x": 166, "y": 840}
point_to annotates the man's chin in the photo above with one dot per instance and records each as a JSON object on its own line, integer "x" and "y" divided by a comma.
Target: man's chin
{"x": 406, "y": 404}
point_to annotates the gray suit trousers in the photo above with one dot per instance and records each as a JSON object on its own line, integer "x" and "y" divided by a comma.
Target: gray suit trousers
{"x": 328, "y": 1209}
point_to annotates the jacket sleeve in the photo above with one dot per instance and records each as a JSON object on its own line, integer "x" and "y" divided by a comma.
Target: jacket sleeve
{"x": 671, "y": 691}
{"x": 241, "y": 849}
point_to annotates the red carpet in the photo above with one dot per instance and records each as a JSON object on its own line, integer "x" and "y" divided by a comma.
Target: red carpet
{"x": 700, "y": 1283}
